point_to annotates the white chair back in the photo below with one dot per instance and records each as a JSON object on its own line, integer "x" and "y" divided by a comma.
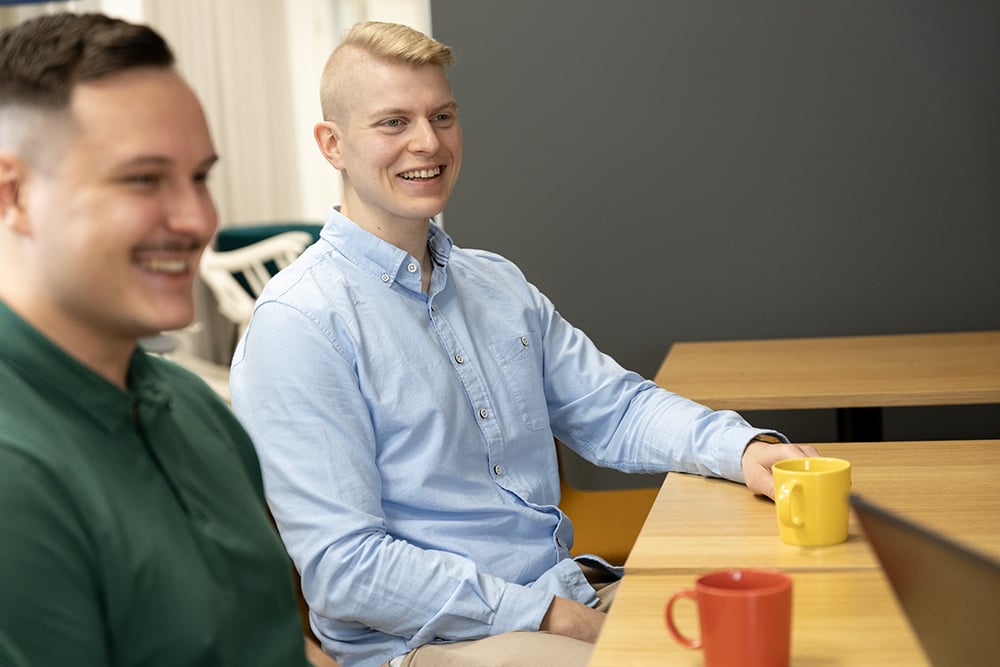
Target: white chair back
{"x": 220, "y": 269}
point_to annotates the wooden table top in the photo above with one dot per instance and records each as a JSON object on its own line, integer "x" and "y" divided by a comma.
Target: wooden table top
{"x": 843, "y": 372}
{"x": 698, "y": 524}
{"x": 827, "y": 607}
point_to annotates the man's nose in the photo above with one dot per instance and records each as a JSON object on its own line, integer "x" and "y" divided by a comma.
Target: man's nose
{"x": 424, "y": 138}
{"x": 193, "y": 212}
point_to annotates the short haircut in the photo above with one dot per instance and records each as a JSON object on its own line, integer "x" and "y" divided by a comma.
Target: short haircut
{"x": 43, "y": 59}
{"x": 390, "y": 42}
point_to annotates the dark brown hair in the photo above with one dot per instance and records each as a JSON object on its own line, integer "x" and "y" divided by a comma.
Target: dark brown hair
{"x": 42, "y": 59}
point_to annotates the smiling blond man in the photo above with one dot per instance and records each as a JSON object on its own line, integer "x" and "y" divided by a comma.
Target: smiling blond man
{"x": 403, "y": 393}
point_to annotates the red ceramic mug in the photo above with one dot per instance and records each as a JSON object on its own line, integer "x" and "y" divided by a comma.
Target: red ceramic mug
{"x": 745, "y": 618}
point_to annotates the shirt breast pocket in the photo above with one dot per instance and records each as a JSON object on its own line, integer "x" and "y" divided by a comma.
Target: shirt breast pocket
{"x": 520, "y": 360}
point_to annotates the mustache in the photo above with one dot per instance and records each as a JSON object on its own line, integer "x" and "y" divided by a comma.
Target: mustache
{"x": 172, "y": 245}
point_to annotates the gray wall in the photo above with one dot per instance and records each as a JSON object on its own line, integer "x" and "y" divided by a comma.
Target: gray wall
{"x": 708, "y": 170}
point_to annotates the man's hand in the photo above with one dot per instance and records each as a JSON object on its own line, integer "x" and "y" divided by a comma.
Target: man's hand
{"x": 758, "y": 457}
{"x": 573, "y": 619}
{"x": 316, "y": 656}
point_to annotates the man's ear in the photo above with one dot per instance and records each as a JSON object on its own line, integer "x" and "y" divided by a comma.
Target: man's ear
{"x": 12, "y": 172}
{"x": 327, "y": 136}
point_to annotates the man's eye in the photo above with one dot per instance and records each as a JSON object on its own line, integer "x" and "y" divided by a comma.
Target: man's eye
{"x": 393, "y": 122}
{"x": 144, "y": 180}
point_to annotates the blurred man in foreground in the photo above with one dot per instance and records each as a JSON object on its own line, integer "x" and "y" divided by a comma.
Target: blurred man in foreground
{"x": 133, "y": 525}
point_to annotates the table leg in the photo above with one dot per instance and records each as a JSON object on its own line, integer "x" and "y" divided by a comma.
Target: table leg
{"x": 859, "y": 424}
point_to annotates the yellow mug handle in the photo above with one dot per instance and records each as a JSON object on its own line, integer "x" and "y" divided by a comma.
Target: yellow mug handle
{"x": 784, "y": 501}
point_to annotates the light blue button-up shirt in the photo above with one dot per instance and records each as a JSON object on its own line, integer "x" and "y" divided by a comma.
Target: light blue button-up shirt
{"x": 406, "y": 439}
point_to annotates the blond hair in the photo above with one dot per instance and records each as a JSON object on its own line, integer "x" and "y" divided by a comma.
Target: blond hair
{"x": 390, "y": 42}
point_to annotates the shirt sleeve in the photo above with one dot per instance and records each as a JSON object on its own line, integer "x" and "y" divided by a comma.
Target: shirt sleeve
{"x": 615, "y": 418}
{"x": 49, "y": 605}
{"x": 296, "y": 391}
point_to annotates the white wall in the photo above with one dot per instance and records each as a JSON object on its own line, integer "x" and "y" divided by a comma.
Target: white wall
{"x": 261, "y": 90}
{"x": 313, "y": 28}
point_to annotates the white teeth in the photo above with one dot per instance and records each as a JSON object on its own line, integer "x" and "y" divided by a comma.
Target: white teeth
{"x": 165, "y": 265}
{"x": 421, "y": 173}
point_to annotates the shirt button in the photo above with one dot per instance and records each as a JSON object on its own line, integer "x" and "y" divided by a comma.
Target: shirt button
{"x": 484, "y": 413}
{"x": 411, "y": 267}
{"x": 459, "y": 359}
{"x": 385, "y": 277}
{"x": 497, "y": 469}
{"x": 524, "y": 341}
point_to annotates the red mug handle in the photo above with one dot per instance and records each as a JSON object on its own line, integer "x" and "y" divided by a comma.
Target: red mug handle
{"x": 690, "y": 594}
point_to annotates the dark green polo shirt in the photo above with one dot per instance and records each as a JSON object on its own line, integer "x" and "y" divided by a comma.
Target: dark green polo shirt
{"x": 132, "y": 524}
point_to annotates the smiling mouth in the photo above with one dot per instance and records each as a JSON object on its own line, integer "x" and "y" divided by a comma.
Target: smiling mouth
{"x": 163, "y": 265}
{"x": 172, "y": 258}
{"x": 421, "y": 174}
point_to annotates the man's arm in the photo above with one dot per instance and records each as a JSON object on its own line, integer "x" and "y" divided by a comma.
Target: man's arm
{"x": 617, "y": 419}
{"x": 316, "y": 656}
{"x": 572, "y": 619}
{"x": 47, "y": 603}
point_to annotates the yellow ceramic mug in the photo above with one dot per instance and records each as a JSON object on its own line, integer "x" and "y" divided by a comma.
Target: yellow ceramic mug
{"x": 811, "y": 496}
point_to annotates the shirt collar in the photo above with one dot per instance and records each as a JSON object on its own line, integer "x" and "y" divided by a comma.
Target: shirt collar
{"x": 54, "y": 372}
{"x": 381, "y": 259}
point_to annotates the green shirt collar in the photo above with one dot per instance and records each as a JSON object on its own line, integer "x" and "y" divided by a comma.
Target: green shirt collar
{"x": 50, "y": 368}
